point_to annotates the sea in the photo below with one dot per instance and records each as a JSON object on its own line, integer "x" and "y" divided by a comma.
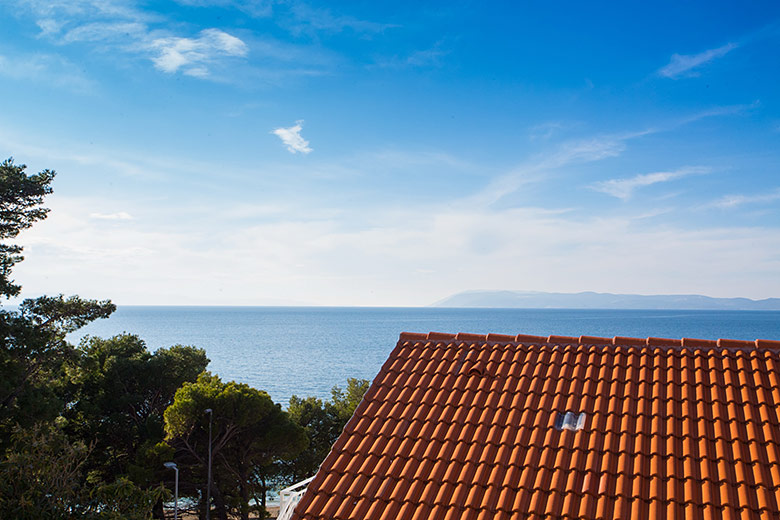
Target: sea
{"x": 306, "y": 351}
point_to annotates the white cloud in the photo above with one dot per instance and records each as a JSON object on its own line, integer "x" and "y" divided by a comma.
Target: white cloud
{"x": 49, "y": 26}
{"x": 292, "y": 138}
{"x": 193, "y": 54}
{"x": 684, "y": 64}
{"x": 624, "y": 188}
{"x": 733, "y": 201}
{"x": 121, "y": 215}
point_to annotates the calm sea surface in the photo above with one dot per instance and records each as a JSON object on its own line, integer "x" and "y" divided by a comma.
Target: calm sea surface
{"x": 307, "y": 350}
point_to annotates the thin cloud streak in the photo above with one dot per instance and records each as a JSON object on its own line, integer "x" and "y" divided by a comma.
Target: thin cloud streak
{"x": 685, "y": 64}
{"x": 257, "y": 8}
{"x": 727, "y": 110}
{"x": 309, "y": 20}
{"x": 121, "y": 215}
{"x": 734, "y": 201}
{"x": 625, "y": 188}
{"x": 105, "y": 31}
{"x": 571, "y": 152}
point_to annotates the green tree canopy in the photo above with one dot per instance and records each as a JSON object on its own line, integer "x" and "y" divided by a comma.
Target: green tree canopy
{"x": 42, "y": 478}
{"x": 249, "y": 433}
{"x": 120, "y": 392}
{"x": 33, "y": 354}
{"x": 21, "y": 196}
{"x": 323, "y": 423}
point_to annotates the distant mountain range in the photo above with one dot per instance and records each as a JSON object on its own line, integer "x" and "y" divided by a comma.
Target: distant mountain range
{"x": 593, "y": 300}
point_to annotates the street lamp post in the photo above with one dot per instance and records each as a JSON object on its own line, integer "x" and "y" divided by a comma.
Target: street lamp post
{"x": 208, "y": 484}
{"x": 174, "y": 467}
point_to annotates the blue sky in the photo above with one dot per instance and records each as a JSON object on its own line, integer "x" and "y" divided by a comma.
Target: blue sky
{"x": 358, "y": 153}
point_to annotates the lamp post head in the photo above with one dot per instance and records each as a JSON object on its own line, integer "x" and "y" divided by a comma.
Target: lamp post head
{"x": 170, "y": 465}
{"x": 208, "y": 410}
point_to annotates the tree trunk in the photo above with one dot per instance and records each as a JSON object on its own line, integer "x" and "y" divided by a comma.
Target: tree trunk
{"x": 263, "y": 491}
{"x": 244, "y": 489}
{"x": 220, "y": 512}
{"x": 202, "y": 506}
{"x": 158, "y": 512}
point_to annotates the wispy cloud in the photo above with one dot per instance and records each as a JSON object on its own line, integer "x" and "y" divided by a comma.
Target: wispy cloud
{"x": 589, "y": 149}
{"x": 120, "y": 27}
{"x": 625, "y": 188}
{"x": 292, "y": 138}
{"x": 49, "y": 26}
{"x": 105, "y": 31}
{"x": 545, "y": 131}
{"x": 726, "y": 110}
{"x": 80, "y": 8}
{"x": 432, "y": 57}
{"x": 47, "y": 69}
{"x": 310, "y": 20}
{"x": 121, "y": 215}
{"x": 733, "y": 201}
{"x": 192, "y": 55}
{"x": 686, "y": 64}
{"x": 258, "y": 8}
{"x": 576, "y": 151}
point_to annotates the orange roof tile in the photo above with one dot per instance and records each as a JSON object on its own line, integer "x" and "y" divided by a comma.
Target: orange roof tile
{"x": 468, "y": 426}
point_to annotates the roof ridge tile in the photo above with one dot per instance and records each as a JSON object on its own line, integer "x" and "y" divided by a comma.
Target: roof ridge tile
{"x": 663, "y": 342}
{"x": 438, "y": 336}
{"x": 469, "y": 337}
{"x": 567, "y": 340}
{"x": 594, "y": 340}
{"x": 692, "y": 342}
{"x": 735, "y": 343}
{"x": 767, "y": 344}
{"x": 412, "y": 336}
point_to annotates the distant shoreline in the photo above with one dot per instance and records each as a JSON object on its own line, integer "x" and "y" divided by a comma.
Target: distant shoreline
{"x": 328, "y": 308}
{"x": 603, "y": 301}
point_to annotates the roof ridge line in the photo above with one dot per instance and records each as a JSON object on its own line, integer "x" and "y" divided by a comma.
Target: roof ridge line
{"x": 593, "y": 340}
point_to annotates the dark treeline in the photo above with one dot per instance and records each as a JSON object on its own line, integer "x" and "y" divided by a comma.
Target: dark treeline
{"x": 85, "y": 429}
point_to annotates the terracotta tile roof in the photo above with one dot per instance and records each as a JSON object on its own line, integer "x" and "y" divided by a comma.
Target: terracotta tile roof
{"x": 464, "y": 427}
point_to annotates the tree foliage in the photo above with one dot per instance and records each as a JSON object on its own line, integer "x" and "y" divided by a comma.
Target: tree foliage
{"x": 21, "y": 196}
{"x": 42, "y": 478}
{"x": 34, "y": 352}
{"x": 120, "y": 392}
{"x": 249, "y": 432}
{"x": 62, "y": 315}
{"x": 323, "y": 423}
